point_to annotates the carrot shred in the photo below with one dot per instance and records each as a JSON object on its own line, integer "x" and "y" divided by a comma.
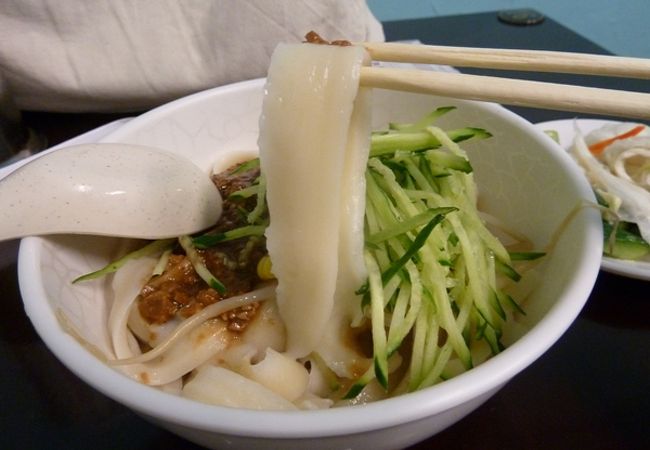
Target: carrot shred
{"x": 599, "y": 146}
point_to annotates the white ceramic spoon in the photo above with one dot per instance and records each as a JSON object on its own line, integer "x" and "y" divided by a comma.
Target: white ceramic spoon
{"x": 108, "y": 189}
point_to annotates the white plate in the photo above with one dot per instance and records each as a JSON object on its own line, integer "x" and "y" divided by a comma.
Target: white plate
{"x": 566, "y": 131}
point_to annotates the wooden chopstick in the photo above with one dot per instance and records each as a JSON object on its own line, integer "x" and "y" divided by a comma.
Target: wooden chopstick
{"x": 509, "y": 91}
{"x": 509, "y": 59}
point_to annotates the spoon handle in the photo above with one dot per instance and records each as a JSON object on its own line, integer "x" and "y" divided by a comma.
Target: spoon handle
{"x": 107, "y": 189}
{"x": 9, "y": 168}
{"x": 89, "y": 137}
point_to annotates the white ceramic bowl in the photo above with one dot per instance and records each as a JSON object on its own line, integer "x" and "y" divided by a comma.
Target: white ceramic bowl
{"x": 524, "y": 179}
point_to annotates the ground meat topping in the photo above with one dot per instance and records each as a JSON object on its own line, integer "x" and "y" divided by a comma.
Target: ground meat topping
{"x": 180, "y": 292}
{"x": 314, "y": 38}
{"x": 229, "y": 183}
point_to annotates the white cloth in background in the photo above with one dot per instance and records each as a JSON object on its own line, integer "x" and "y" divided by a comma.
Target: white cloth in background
{"x": 130, "y": 55}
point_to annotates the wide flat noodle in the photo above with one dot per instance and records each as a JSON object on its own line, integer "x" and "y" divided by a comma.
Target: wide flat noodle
{"x": 126, "y": 285}
{"x": 336, "y": 346}
{"x": 303, "y": 150}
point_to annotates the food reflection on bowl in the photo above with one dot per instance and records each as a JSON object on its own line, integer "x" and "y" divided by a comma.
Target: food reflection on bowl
{"x": 524, "y": 179}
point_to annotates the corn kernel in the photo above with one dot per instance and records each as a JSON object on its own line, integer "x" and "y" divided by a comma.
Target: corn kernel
{"x": 264, "y": 268}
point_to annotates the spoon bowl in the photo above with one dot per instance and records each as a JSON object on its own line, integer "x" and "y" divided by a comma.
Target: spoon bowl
{"x": 108, "y": 189}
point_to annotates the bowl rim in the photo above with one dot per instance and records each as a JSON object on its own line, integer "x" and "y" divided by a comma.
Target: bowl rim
{"x": 437, "y": 399}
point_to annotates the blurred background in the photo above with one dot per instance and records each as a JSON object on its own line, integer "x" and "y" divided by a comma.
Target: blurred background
{"x": 610, "y": 24}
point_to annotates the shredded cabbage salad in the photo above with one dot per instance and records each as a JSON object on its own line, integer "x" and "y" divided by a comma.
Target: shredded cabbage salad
{"x": 616, "y": 160}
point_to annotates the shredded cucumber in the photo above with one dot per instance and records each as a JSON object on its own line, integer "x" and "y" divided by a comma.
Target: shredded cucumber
{"x": 246, "y": 166}
{"x": 623, "y": 241}
{"x": 526, "y": 256}
{"x": 199, "y": 266}
{"x": 162, "y": 262}
{"x": 255, "y": 215}
{"x": 377, "y": 313}
{"x": 390, "y": 142}
{"x": 424, "y": 122}
{"x": 151, "y": 248}
{"x": 433, "y": 264}
{"x": 246, "y": 192}
{"x": 210, "y": 240}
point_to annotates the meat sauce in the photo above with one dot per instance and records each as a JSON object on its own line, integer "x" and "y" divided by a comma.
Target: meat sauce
{"x": 180, "y": 292}
{"x": 314, "y": 38}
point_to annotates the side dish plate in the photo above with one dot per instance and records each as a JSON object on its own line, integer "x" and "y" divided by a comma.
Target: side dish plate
{"x": 565, "y": 130}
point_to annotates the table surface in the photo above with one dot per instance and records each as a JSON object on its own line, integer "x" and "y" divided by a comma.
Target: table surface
{"x": 590, "y": 390}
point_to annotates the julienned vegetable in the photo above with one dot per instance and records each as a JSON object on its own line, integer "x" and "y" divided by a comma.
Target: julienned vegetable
{"x": 433, "y": 265}
{"x": 597, "y": 147}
